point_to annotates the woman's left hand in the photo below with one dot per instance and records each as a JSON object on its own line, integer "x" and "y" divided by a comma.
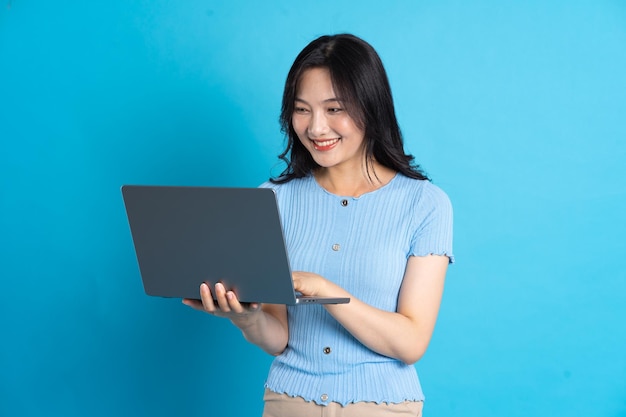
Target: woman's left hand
{"x": 403, "y": 334}
{"x": 309, "y": 284}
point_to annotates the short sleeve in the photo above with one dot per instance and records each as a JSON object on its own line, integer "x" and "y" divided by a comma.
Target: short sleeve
{"x": 433, "y": 223}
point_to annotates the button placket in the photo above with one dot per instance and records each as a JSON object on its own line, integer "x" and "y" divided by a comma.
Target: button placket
{"x": 341, "y": 218}
{"x": 344, "y": 203}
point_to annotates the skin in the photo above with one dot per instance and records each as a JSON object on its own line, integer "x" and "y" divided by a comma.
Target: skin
{"x": 336, "y": 144}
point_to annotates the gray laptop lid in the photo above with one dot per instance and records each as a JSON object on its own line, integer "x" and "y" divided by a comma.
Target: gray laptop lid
{"x": 184, "y": 236}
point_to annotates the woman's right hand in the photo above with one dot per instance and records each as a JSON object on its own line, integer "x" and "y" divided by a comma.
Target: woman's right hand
{"x": 228, "y": 306}
{"x": 263, "y": 325}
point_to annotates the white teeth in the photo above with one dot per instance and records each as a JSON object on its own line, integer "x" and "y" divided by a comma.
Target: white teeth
{"x": 325, "y": 142}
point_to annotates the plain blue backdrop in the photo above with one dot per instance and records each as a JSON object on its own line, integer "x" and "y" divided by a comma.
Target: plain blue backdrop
{"x": 516, "y": 109}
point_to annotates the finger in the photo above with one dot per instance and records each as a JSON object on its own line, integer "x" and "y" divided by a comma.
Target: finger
{"x": 220, "y": 295}
{"x": 297, "y": 282}
{"x": 254, "y": 306}
{"x": 233, "y": 302}
{"x": 195, "y": 304}
{"x": 207, "y": 298}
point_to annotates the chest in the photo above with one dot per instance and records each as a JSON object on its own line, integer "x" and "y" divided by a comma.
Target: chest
{"x": 361, "y": 246}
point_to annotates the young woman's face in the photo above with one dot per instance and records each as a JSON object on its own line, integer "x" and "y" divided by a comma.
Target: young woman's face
{"x": 323, "y": 125}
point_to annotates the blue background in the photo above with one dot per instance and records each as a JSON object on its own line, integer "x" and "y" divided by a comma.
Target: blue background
{"x": 516, "y": 109}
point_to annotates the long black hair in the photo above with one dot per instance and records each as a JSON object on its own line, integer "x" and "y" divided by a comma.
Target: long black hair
{"x": 359, "y": 78}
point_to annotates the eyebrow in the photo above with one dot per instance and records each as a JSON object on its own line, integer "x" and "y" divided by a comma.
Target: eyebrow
{"x": 328, "y": 100}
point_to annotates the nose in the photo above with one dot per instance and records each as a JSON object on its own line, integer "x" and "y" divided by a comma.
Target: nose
{"x": 318, "y": 125}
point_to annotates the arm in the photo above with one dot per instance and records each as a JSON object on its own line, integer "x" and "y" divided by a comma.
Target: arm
{"x": 404, "y": 334}
{"x": 263, "y": 325}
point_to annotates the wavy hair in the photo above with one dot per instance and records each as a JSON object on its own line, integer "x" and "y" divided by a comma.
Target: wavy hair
{"x": 359, "y": 78}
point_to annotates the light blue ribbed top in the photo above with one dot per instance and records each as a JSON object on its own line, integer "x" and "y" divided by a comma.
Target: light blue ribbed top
{"x": 362, "y": 244}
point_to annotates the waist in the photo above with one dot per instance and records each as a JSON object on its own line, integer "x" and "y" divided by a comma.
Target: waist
{"x": 388, "y": 381}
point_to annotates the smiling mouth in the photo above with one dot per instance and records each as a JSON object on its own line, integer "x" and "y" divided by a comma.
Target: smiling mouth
{"x": 324, "y": 145}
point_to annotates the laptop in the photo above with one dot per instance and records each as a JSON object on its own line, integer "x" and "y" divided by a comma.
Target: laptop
{"x": 184, "y": 236}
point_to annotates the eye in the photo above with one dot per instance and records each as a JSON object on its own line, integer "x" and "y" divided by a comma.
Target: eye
{"x": 300, "y": 110}
{"x": 334, "y": 110}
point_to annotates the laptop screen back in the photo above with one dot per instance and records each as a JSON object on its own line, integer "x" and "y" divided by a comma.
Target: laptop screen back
{"x": 184, "y": 236}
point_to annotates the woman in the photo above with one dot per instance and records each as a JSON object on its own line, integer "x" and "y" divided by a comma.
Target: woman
{"x": 360, "y": 221}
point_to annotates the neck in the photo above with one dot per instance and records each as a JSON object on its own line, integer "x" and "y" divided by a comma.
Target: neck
{"x": 354, "y": 183}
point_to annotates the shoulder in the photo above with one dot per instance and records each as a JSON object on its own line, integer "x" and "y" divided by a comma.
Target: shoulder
{"x": 269, "y": 184}
{"x": 289, "y": 185}
{"x": 286, "y": 191}
{"x": 429, "y": 206}
{"x": 423, "y": 192}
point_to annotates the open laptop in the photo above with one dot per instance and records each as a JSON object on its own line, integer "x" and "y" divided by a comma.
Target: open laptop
{"x": 184, "y": 236}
